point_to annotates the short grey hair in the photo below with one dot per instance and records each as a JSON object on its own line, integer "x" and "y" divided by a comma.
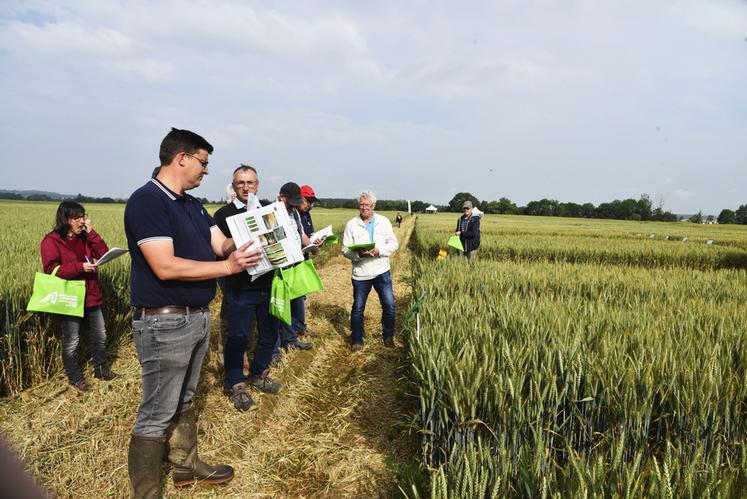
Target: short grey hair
{"x": 368, "y": 195}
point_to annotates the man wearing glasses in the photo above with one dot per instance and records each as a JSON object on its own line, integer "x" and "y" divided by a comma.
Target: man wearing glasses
{"x": 246, "y": 301}
{"x": 468, "y": 230}
{"x": 173, "y": 245}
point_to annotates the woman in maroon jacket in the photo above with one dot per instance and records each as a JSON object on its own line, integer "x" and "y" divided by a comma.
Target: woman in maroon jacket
{"x": 74, "y": 246}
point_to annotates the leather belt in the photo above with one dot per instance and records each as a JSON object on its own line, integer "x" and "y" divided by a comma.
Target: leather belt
{"x": 169, "y": 309}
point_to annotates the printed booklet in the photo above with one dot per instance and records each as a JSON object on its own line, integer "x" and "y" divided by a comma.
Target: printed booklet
{"x": 271, "y": 230}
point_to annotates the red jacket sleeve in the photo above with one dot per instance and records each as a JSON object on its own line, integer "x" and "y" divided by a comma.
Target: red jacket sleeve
{"x": 97, "y": 244}
{"x": 51, "y": 257}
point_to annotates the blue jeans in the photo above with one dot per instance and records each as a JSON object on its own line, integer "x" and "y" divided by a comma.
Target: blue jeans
{"x": 170, "y": 348}
{"x": 245, "y": 307}
{"x": 383, "y": 285}
{"x": 70, "y": 329}
{"x": 289, "y": 333}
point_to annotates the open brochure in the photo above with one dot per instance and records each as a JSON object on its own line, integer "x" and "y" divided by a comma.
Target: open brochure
{"x": 111, "y": 255}
{"x": 271, "y": 230}
{"x": 320, "y": 235}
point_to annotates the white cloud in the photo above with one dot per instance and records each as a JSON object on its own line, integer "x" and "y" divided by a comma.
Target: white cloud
{"x": 568, "y": 92}
{"x": 70, "y": 39}
{"x": 683, "y": 194}
{"x": 148, "y": 69}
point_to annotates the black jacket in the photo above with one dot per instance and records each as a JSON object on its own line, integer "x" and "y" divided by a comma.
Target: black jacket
{"x": 242, "y": 280}
{"x": 471, "y": 237}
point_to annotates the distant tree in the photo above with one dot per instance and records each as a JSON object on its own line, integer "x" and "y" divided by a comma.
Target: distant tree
{"x": 697, "y": 218}
{"x": 727, "y": 217}
{"x": 627, "y": 209}
{"x": 39, "y": 197}
{"x": 667, "y": 216}
{"x": 741, "y": 214}
{"x": 710, "y": 219}
{"x": 607, "y": 210}
{"x": 544, "y": 207}
{"x": 588, "y": 210}
{"x": 491, "y": 207}
{"x": 506, "y": 207}
{"x": 418, "y": 206}
{"x": 574, "y": 210}
{"x": 644, "y": 207}
{"x": 458, "y": 200}
{"x": 11, "y": 195}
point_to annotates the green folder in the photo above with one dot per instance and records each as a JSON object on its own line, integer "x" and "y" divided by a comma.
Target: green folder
{"x": 364, "y": 246}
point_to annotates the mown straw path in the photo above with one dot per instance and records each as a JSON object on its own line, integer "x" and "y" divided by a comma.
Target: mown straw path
{"x": 337, "y": 428}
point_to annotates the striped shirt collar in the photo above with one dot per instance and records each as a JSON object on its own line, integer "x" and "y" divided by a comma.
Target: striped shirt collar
{"x": 171, "y": 194}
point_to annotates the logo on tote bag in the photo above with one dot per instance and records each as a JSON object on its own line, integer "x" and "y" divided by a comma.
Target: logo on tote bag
{"x": 67, "y": 300}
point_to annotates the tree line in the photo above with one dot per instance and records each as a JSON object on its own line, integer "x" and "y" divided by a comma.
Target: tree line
{"x": 626, "y": 209}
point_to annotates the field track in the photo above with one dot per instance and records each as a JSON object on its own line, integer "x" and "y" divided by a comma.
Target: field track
{"x": 337, "y": 429}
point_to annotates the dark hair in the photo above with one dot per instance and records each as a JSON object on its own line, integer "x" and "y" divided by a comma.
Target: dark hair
{"x": 67, "y": 210}
{"x": 242, "y": 168}
{"x": 177, "y": 141}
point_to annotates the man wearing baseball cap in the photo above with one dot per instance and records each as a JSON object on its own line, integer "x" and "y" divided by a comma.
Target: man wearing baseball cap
{"x": 298, "y": 306}
{"x": 290, "y": 195}
{"x": 468, "y": 230}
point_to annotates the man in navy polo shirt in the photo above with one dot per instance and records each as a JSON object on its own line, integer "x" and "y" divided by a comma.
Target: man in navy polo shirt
{"x": 173, "y": 244}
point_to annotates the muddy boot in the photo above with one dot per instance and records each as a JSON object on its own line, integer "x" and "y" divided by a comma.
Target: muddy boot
{"x": 181, "y": 449}
{"x": 103, "y": 372}
{"x": 144, "y": 466}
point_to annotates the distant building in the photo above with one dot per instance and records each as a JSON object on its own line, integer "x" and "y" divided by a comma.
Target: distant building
{"x": 431, "y": 209}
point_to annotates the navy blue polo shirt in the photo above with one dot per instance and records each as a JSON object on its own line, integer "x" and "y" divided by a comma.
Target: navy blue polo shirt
{"x": 153, "y": 213}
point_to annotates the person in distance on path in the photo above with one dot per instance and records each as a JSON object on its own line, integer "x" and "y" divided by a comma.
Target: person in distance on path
{"x": 173, "y": 246}
{"x": 468, "y": 230}
{"x": 246, "y": 301}
{"x": 371, "y": 268}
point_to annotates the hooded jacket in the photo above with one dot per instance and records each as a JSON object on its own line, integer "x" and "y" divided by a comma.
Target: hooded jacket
{"x": 56, "y": 250}
{"x": 470, "y": 238}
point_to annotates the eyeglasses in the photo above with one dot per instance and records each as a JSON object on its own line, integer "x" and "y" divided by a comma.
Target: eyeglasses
{"x": 248, "y": 183}
{"x": 78, "y": 217}
{"x": 465, "y": 208}
{"x": 203, "y": 162}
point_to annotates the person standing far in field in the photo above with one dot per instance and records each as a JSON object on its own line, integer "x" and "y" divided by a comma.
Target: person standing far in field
{"x": 74, "y": 246}
{"x": 173, "y": 245}
{"x": 468, "y": 230}
{"x": 371, "y": 268}
{"x": 398, "y": 220}
{"x": 246, "y": 301}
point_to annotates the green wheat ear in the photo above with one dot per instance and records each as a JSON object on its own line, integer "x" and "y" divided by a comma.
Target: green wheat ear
{"x": 612, "y": 348}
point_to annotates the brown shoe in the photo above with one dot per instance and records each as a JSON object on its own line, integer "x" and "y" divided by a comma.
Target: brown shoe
{"x": 82, "y": 386}
{"x": 356, "y": 347}
{"x": 389, "y": 342}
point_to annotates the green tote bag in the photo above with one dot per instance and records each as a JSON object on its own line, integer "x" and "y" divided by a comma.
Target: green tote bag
{"x": 455, "y": 242}
{"x": 279, "y": 299}
{"x": 55, "y": 295}
{"x": 302, "y": 279}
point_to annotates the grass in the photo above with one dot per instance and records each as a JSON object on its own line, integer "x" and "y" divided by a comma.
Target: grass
{"x": 542, "y": 375}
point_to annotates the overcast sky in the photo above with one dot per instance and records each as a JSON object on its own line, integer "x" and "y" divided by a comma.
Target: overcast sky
{"x": 584, "y": 101}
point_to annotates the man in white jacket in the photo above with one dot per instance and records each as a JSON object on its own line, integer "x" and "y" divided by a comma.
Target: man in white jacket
{"x": 370, "y": 267}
